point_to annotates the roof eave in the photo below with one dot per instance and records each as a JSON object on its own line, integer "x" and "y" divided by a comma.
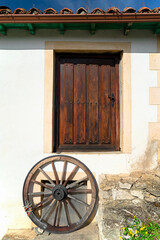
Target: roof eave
{"x": 75, "y": 18}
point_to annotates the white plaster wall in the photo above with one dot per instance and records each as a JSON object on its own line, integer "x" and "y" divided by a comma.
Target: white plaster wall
{"x": 22, "y": 105}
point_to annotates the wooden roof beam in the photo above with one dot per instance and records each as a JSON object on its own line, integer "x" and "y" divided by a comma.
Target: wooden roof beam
{"x": 157, "y": 29}
{"x": 128, "y": 28}
{"x": 3, "y": 30}
{"x": 93, "y": 28}
{"x": 31, "y": 28}
{"x": 61, "y": 28}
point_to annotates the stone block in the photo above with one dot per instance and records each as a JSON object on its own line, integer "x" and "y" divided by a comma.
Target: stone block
{"x": 106, "y": 187}
{"x": 152, "y": 184}
{"x": 154, "y": 131}
{"x": 137, "y": 201}
{"x": 154, "y": 96}
{"x": 113, "y": 233}
{"x": 125, "y": 185}
{"x": 137, "y": 193}
{"x": 137, "y": 174}
{"x": 102, "y": 177}
{"x": 114, "y": 178}
{"x": 154, "y": 60}
{"x": 129, "y": 180}
{"x": 139, "y": 185}
{"x": 157, "y": 172}
{"x": 107, "y": 195}
{"x": 149, "y": 197}
{"x": 121, "y": 195}
{"x": 124, "y": 176}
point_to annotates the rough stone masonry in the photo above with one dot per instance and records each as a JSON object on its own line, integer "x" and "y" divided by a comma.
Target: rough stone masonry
{"x": 124, "y": 196}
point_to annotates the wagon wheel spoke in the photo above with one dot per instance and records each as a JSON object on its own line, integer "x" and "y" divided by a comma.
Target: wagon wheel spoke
{"x": 77, "y": 191}
{"x": 55, "y": 172}
{"x": 66, "y": 213}
{"x": 56, "y": 213}
{"x": 71, "y": 176}
{"x": 56, "y": 200}
{"x": 74, "y": 209}
{"x": 46, "y": 175}
{"x": 59, "y": 214}
{"x": 64, "y": 172}
{"x": 51, "y": 206}
{"x": 76, "y": 183}
{"x": 37, "y": 194}
{"x": 42, "y": 184}
{"x": 78, "y": 200}
{"x": 43, "y": 203}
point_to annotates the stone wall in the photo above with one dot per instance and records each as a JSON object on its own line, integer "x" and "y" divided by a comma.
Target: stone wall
{"x": 124, "y": 196}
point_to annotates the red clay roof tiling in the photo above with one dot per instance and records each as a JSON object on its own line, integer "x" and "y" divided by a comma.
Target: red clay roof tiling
{"x": 113, "y": 10}
{"x": 81, "y": 10}
{"x": 66, "y": 15}
{"x": 144, "y": 10}
{"x": 19, "y": 11}
{"x": 156, "y": 10}
{"x": 5, "y": 10}
{"x": 97, "y": 11}
{"x": 129, "y": 10}
{"x": 34, "y": 11}
{"x": 50, "y": 11}
{"x": 66, "y": 11}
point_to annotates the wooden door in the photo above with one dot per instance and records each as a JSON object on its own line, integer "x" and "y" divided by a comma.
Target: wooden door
{"x": 87, "y": 102}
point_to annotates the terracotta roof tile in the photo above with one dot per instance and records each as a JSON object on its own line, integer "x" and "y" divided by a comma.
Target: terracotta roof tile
{"x": 113, "y": 10}
{"x": 19, "y": 11}
{"x": 34, "y": 11}
{"x": 66, "y": 11}
{"x": 81, "y": 10}
{"x": 156, "y": 10}
{"x": 97, "y": 11}
{"x": 5, "y": 10}
{"x": 144, "y": 10}
{"x": 129, "y": 10}
{"x": 50, "y": 11}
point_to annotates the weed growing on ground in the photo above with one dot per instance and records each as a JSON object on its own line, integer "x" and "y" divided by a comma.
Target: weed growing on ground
{"x": 139, "y": 230}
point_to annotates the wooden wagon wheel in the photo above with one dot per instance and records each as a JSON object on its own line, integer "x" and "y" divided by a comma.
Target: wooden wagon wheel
{"x": 60, "y": 194}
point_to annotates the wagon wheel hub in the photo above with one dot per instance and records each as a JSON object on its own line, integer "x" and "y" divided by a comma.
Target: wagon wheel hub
{"x": 59, "y": 192}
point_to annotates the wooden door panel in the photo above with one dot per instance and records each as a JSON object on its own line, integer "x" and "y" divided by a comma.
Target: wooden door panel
{"x": 113, "y": 107}
{"x": 79, "y": 103}
{"x": 66, "y": 104}
{"x": 92, "y": 103}
{"x": 104, "y": 104}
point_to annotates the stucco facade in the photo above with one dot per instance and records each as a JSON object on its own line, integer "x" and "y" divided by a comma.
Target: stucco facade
{"x": 26, "y": 93}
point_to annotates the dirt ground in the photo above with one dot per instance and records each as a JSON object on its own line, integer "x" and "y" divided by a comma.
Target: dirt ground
{"x": 88, "y": 233}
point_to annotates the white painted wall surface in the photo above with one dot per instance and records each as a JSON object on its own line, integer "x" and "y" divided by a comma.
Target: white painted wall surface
{"x": 22, "y": 108}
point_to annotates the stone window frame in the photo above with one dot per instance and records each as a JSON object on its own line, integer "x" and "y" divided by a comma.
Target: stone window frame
{"x": 51, "y": 48}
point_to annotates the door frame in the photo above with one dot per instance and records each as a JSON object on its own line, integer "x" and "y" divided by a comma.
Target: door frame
{"x": 122, "y": 47}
